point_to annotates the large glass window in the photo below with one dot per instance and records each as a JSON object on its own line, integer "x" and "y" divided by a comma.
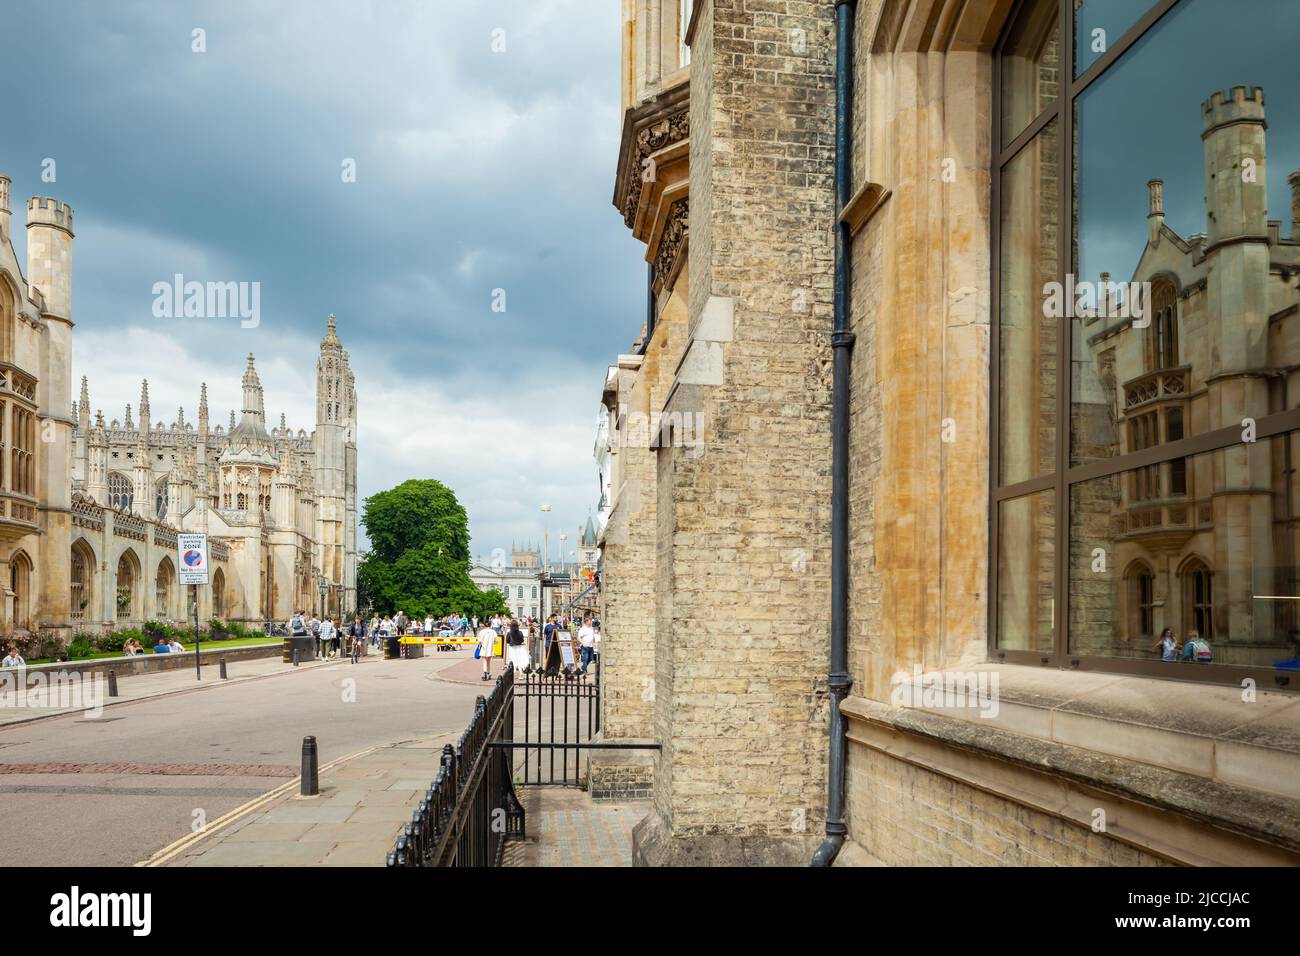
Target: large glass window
{"x": 1135, "y": 256}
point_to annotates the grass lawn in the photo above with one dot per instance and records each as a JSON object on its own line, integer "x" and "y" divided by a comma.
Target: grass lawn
{"x": 187, "y": 641}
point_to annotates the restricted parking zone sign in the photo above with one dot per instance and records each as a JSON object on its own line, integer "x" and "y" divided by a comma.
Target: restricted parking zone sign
{"x": 193, "y": 552}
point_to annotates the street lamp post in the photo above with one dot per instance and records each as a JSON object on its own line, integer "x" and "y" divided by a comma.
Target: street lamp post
{"x": 546, "y": 543}
{"x": 323, "y": 586}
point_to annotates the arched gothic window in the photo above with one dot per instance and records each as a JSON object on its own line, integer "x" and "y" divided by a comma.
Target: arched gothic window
{"x": 160, "y": 498}
{"x": 1162, "y": 337}
{"x": 1198, "y": 599}
{"x": 121, "y": 494}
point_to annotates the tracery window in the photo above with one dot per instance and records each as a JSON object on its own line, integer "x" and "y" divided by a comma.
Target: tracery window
{"x": 121, "y": 493}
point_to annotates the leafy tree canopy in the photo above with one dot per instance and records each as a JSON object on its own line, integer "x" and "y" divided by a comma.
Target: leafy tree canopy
{"x": 419, "y": 557}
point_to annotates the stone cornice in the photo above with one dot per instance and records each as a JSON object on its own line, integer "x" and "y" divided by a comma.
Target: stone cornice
{"x": 669, "y": 252}
{"x": 647, "y": 128}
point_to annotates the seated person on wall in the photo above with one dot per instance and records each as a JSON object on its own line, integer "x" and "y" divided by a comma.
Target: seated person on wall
{"x": 163, "y": 646}
{"x": 1196, "y": 649}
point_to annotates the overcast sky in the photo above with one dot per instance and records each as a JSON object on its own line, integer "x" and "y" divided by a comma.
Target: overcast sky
{"x": 475, "y": 171}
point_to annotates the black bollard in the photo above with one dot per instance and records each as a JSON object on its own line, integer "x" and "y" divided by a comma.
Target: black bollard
{"x": 222, "y": 662}
{"x": 112, "y": 683}
{"x": 310, "y": 780}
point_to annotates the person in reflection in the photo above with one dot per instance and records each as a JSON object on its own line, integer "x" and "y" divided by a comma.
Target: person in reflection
{"x": 1167, "y": 645}
{"x": 1196, "y": 649}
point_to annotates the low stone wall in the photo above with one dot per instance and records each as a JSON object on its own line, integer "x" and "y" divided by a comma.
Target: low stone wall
{"x": 209, "y": 655}
{"x": 619, "y": 775}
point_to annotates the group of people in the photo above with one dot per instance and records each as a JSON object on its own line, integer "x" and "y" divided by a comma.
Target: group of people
{"x": 453, "y": 624}
{"x": 165, "y": 645}
{"x": 510, "y": 637}
{"x": 502, "y": 635}
{"x": 1196, "y": 649}
{"x": 328, "y": 632}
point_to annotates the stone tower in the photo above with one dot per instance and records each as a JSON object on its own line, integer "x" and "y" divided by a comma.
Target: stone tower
{"x": 335, "y": 432}
{"x": 49, "y": 269}
{"x": 1237, "y": 235}
{"x": 1237, "y": 257}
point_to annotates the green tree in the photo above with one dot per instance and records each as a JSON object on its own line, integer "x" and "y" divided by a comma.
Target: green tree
{"x": 419, "y": 557}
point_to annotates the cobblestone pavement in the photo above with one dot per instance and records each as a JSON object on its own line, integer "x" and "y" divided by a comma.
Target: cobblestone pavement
{"x": 566, "y": 828}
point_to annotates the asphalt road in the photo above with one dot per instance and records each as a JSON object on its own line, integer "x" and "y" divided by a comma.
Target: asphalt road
{"x": 197, "y": 755}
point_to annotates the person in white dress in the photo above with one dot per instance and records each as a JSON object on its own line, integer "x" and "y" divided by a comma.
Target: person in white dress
{"x": 516, "y": 647}
{"x": 487, "y": 642}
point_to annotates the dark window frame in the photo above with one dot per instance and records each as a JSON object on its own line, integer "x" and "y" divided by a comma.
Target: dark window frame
{"x": 1066, "y": 475}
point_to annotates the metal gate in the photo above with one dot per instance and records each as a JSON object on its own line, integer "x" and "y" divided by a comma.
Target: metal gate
{"x": 555, "y": 715}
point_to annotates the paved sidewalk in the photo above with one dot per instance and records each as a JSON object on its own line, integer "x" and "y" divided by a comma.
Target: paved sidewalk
{"x": 143, "y": 687}
{"x": 364, "y": 803}
{"x": 469, "y": 670}
{"x": 565, "y": 828}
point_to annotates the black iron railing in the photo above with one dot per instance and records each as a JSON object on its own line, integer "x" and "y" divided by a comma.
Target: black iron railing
{"x": 561, "y": 713}
{"x": 471, "y": 808}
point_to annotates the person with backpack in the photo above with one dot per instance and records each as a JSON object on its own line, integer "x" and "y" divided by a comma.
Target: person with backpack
{"x": 1197, "y": 649}
{"x": 314, "y": 624}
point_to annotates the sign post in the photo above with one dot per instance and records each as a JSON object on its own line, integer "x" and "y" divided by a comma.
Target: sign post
{"x": 193, "y": 570}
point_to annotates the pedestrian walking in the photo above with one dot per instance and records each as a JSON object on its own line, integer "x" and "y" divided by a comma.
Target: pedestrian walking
{"x": 587, "y": 641}
{"x": 325, "y": 640}
{"x": 487, "y": 643}
{"x": 516, "y": 647}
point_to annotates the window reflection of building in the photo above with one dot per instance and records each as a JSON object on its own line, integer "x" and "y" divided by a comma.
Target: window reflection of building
{"x": 1197, "y": 343}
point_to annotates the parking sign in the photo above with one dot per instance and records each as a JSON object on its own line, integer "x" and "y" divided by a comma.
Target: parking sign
{"x": 193, "y": 552}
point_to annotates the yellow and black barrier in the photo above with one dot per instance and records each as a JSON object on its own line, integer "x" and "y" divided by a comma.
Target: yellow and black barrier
{"x": 430, "y": 639}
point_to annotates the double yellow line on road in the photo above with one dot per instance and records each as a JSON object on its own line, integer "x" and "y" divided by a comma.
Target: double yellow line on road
{"x": 172, "y": 850}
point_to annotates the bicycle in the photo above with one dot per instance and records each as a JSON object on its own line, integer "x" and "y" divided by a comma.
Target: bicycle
{"x": 356, "y": 648}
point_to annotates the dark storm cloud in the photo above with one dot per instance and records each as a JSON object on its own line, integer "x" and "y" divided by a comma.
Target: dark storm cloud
{"x": 1142, "y": 120}
{"x": 470, "y": 164}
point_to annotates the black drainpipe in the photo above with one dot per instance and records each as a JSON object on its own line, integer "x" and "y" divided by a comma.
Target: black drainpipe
{"x": 838, "y": 680}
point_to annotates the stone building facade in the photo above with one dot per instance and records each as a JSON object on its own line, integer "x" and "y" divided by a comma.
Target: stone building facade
{"x": 94, "y": 507}
{"x": 1018, "y": 519}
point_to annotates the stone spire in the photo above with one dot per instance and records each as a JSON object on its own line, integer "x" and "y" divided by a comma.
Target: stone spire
{"x": 144, "y": 407}
{"x": 83, "y": 407}
{"x": 232, "y": 419}
{"x": 180, "y": 416}
{"x": 331, "y": 340}
{"x": 128, "y": 424}
{"x": 203, "y": 407}
{"x": 253, "y": 394}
